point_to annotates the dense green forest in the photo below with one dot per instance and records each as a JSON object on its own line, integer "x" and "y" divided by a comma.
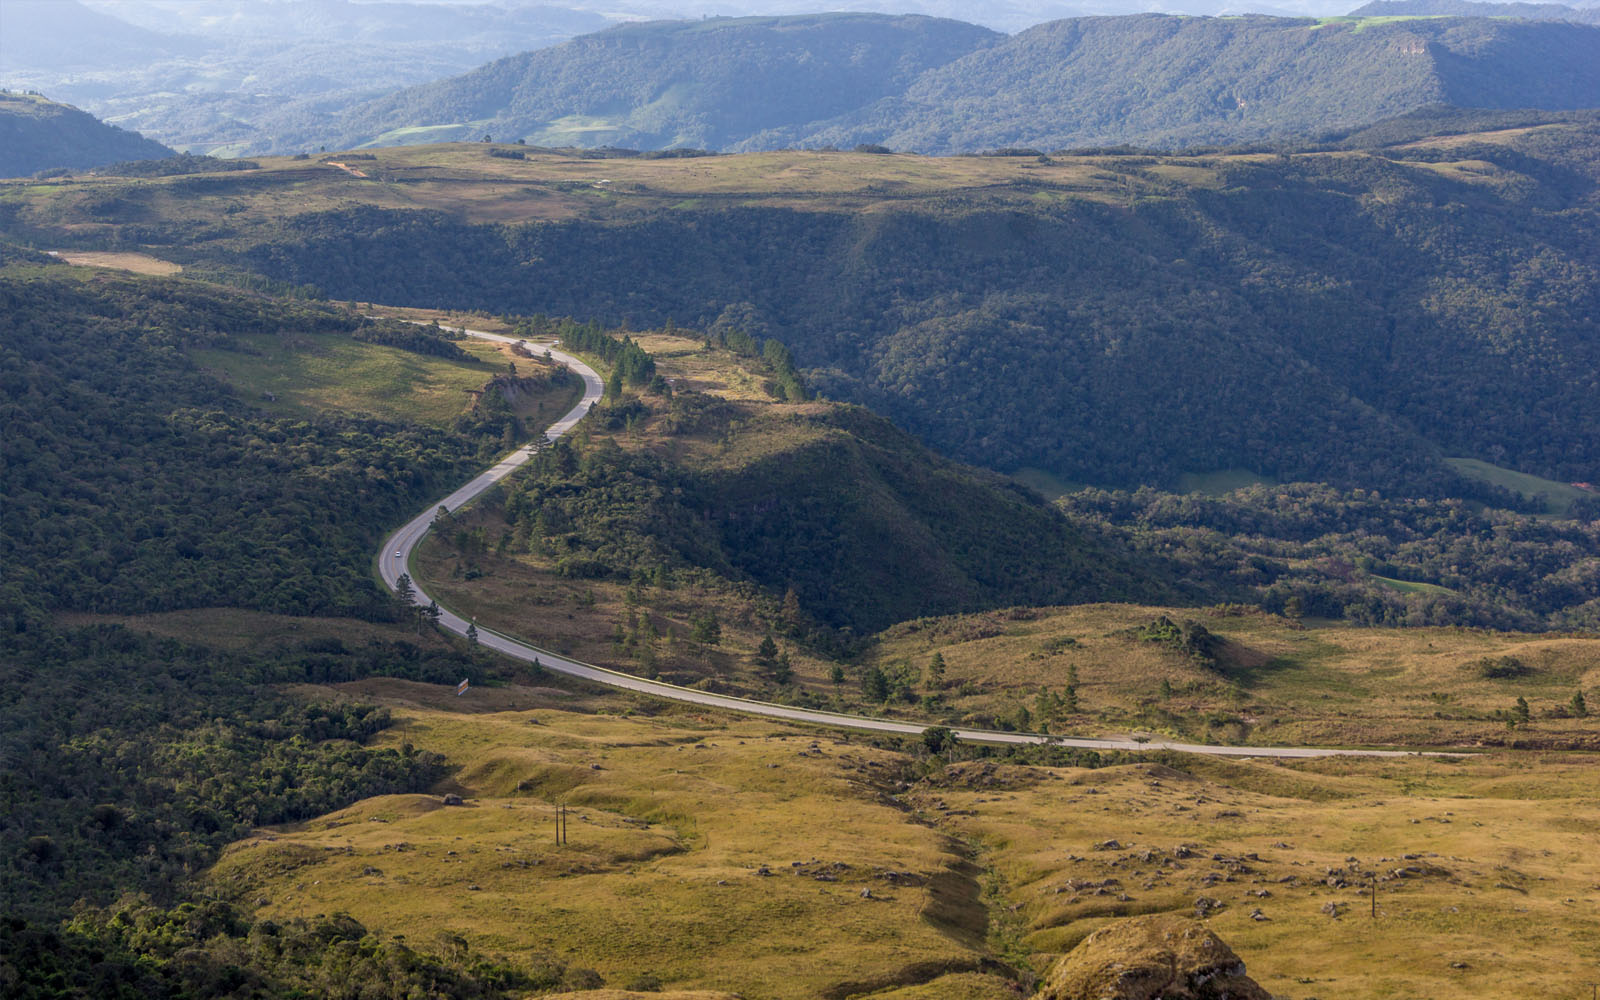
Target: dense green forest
{"x": 38, "y": 134}
{"x": 939, "y": 86}
{"x": 1314, "y": 550}
{"x": 1339, "y": 317}
{"x": 134, "y": 481}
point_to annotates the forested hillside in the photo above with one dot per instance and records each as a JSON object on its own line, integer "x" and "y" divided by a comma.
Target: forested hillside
{"x": 133, "y": 480}
{"x": 829, "y": 506}
{"x": 38, "y": 134}
{"x": 938, "y": 86}
{"x": 1347, "y": 317}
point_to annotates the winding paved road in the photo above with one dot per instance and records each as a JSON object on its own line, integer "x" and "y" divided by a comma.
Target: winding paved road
{"x": 395, "y": 556}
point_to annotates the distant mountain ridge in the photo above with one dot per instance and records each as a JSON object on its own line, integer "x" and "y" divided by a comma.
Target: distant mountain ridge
{"x": 940, "y": 86}
{"x": 37, "y": 134}
{"x": 1470, "y": 8}
{"x": 658, "y": 84}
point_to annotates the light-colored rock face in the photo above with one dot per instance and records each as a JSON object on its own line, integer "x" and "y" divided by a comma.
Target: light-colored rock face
{"x": 1159, "y": 957}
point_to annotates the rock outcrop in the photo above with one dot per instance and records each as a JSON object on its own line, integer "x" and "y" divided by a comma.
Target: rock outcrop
{"x": 1158, "y": 957}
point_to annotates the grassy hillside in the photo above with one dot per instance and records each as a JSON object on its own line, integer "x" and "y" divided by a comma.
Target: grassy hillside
{"x": 1243, "y": 675}
{"x": 38, "y": 134}
{"x": 661, "y": 879}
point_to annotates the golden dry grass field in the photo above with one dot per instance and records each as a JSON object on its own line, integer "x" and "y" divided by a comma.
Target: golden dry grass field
{"x": 1487, "y": 879}
{"x": 712, "y": 854}
{"x": 463, "y": 180}
{"x": 1488, "y": 885}
{"x": 1276, "y": 681}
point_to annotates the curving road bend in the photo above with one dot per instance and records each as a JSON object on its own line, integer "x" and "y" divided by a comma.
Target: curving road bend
{"x": 395, "y": 556}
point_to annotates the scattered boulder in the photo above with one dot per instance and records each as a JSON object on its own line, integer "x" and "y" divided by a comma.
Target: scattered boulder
{"x": 1144, "y": 958}
{"x": 452, "y": 799}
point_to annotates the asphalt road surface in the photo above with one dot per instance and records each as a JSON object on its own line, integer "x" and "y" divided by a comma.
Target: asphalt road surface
{"x": 395, "y": 557}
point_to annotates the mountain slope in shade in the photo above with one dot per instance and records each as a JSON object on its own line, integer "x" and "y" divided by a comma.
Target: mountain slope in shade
{"x": 37, "y": 134}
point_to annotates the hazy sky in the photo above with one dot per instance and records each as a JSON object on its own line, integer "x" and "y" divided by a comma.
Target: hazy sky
{"x": 1005, "y": 15}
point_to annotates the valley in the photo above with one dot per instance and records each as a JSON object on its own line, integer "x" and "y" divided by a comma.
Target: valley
{"x": 890, "y": 572}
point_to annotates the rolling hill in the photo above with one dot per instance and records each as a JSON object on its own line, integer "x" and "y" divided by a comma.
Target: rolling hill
{"x": 38, "y": 134}
{"x": 939, "y": 86}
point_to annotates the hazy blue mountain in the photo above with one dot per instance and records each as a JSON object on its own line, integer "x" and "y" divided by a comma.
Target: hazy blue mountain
{"x": 1469, "y": 8}
{"x": 709, "y": 83}
{"x": 221, "y": 76}
{"x": 939, "y": 86}
{"x": 65, "y": 34}
{"x": 1174, "y": 81}
{"x": 36, "y": 134}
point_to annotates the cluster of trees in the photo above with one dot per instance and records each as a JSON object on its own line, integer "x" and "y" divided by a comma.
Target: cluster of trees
{"x": 179, "y": 165}
{"x": 430, "y": 341}
{"x": 136, "y": 950}
{"x": 630, "y": 364}
{"x": 731, "y": 332}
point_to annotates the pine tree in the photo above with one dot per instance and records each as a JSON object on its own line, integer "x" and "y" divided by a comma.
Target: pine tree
{"x": 782, "y": 673}
{"x": 1580, "y": 708}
